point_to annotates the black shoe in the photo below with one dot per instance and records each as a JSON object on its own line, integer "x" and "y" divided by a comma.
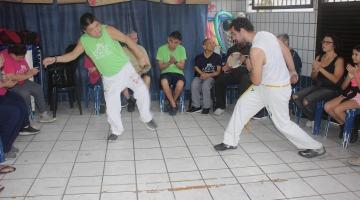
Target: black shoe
{"x": 223, "y": 147}
{"x": 131, "y": 104}
{"x": 311, "y": 153}
{"x": 112, "y": 137}
{"x": 29, "y": 130}
{"x": 354, "y": 135}
{"x": 173, "y": 111}
{"x": 205, "y": 111}
{"x": 341, "y": 132}
{"x": 102, "y": 109}
{"x": 193, "y": 110}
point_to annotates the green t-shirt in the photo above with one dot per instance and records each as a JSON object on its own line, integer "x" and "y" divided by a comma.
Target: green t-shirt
{"x": 107, "y": 54}
{"x": 163, "y": 55}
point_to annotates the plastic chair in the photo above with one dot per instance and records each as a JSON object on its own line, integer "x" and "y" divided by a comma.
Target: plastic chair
{"x": 95, "y": 92}
{"x": 2, "y": 153}
{"x": 162, "y": 100}
{"x": 318, "y": 117}
{"x": 348, "y": 126}
{"x": 62, "y": 79}
{"x": 232, "y": 93}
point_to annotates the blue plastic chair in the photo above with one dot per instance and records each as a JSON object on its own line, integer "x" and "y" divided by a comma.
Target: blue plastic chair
{"x": 2, "y": 153}
{"x": 95, "y": 92}
{"x": 162, "y": 99}
{"x": 348, "y": 126}
{"x": 232, "y": 93}
{"x": 318, "y": 115}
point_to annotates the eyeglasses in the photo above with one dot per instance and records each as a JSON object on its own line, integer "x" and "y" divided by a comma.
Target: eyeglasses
{"x": 326, "y": 42}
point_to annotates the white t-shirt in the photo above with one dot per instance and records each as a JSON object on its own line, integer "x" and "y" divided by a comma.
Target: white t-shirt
{"x": 275, "y": 71}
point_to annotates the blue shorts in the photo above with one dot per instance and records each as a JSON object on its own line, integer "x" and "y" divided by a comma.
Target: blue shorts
{"x": 172, "y": 78}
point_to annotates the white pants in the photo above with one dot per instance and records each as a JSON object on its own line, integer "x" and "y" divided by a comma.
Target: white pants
{"x": 276, "y": 101}
{"x": 114, "y": 85}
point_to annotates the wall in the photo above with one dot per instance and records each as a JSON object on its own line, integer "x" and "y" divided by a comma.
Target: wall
{"x": 301, "y": 26}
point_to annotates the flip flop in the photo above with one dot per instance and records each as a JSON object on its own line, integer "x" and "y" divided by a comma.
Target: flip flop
{"x": 1, "y": 188}
{"x": 4, "y": 169}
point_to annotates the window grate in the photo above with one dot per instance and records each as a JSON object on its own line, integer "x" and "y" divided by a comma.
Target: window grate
{"x": 281, "y": 4}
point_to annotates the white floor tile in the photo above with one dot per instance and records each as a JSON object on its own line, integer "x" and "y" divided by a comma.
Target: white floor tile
{"x": 56, "y": 170}
{"x": 295, "y": 188}
{"x": 88, "y": 169}
{"x": 48, "y": 186}
{"x": 213, "y": 162}
{"x": 325, "y": 185}
{"x": 148, "y": 154}
{"x": 262, "y": 191}
{"x": 180, "y": 165}
{"x": 150, "y": 166}
{"x": 16, "y": 188}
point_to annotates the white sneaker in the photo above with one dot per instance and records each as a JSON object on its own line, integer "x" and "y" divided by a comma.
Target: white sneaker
{"x": 219, "y": 111}
{"x": 309, "y": 124}
{"x": 45, "y": 118}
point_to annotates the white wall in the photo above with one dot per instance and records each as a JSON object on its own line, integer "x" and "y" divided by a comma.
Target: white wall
{"x": 301, "y": 27}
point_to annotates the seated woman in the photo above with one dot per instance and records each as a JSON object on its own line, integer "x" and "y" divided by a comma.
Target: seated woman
{"x": 16, "y": 68}
{"x": 337, "y": 107}
{"x": 327, "y": 71}
{"x": 14, "y": 116}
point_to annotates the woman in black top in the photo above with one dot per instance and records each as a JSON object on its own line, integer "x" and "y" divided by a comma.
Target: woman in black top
{"x": 327, "y": 71}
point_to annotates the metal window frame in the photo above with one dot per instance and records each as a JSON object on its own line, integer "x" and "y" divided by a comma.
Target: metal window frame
{"x": 254, "y": 7}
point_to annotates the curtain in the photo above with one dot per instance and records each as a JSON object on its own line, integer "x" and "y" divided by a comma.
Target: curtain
{"x": 58, "y": 26}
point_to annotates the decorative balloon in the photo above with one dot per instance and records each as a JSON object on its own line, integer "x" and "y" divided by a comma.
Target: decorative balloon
{"x": 222, "y": 20}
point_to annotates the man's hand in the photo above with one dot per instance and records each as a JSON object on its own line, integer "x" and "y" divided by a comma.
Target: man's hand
{"x": 226, "y": 68}
{"x": 48, "y": 61}
{"x": 34, "y": 71}
{"x": 294, "y": 77}
{"x": 143, "y": 62}
{"x": 172, "y": 60}
{"x": 204, "y": 76}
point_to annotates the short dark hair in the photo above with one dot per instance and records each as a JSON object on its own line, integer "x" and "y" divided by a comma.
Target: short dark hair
{"x": 205, "y": 40}
{"x": 176, "y": 35}
{"x": 17, "y": 49}
{"x": 285, "y": 36}
{"x": 86, "y": 19}
{"x": 242, "y": 22}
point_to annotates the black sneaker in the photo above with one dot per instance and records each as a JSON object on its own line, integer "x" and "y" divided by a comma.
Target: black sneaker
{"x": 102, "y": 109}
{"x": 151, "y": 125}
{"x": 311, "y": 153}
{"x": 29, "y": 130}
{"x": 354, "y": 135}
{"x": 112, "y": 137}
{"x": 172, "y": 111}
{"x": 131, "y": 104}
{"x": 223, "y": 147}
{"x": 194, "y": 110}
{"x": 205, "y": 111}
{"x": 341, "y": 131}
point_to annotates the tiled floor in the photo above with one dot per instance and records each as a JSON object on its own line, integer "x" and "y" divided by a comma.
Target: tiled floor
{"x": 72, "y": 160}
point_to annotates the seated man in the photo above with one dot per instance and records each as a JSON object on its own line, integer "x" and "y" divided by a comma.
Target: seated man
{"x": 143, "y": 71}
{"x": 297, "y": 60}
{"x": 16, "y": 68}
{"x": 207, "y": 67}
{"x": 171, "y": 58}
{"x": 232, "y": 74}
{"x": 14, "y": 116}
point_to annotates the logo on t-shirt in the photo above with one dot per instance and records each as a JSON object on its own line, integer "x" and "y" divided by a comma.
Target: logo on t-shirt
{"x": 209, "y": 68}
{"x": 101, "y": 51}
{"x": 22, "y": 69}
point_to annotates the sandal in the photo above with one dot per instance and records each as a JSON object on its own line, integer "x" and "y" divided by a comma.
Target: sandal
{"x": 4, "y": 169}
{"x": 1, "y": 188}
{"x": 311, "y": 153}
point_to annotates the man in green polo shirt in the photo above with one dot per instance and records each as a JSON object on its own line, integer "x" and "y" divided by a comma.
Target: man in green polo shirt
{"x": 171, "y": 58}
{"x": 101, "y": 43}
